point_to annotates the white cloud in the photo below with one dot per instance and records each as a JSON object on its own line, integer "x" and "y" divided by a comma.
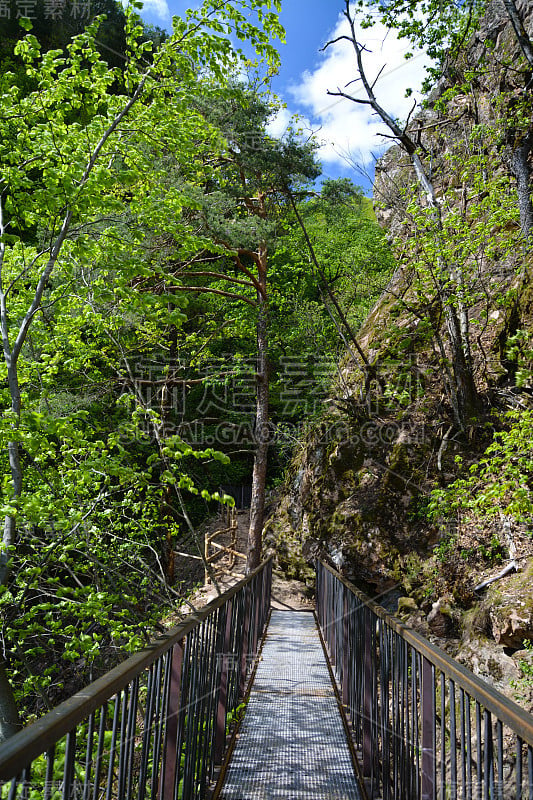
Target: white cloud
{"x": 279, "y": 123}
{"x": 159, "y": 8}
{"x": 348, "y": 127}
{"x": 285, "y": 120}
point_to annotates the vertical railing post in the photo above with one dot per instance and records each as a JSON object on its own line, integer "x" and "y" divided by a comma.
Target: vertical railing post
{"x": 333, "y": 622}
{"x": 345, "y": 648}
{"x": 428, "y": 730}
{"x": 220, "y": 732}
{"x": 171, "y": 755}
{"x": 263, "y": 597}
{"x": 318, "y": 593}
{"x": 257, "y": 619}
{"x": 488, "y": 764}
{"x": 367, "y": 694}
{"x": 245, "y": 644}
{"x": 325, "y": 619}
{"x": 69, "y": 771}
{"x": 268, "y": 593}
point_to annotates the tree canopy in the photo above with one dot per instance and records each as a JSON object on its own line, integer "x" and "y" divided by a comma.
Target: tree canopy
{"x": 81, "y": 207}
{"x": 155, "y": 289}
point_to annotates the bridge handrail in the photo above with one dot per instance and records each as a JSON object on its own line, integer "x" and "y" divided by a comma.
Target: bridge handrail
{"x": 494, "y": 701}
{"x": 18, "y": 752}
{"x": 427, "y": 726}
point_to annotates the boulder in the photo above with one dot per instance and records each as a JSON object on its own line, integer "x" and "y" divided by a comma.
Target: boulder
{"x": 511, "y": 627}
{"x": 440, "y": 619}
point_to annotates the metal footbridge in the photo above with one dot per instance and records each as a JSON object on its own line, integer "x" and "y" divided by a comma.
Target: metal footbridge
{"x": 292, "y": 743}
{"x": 240, "y": 702}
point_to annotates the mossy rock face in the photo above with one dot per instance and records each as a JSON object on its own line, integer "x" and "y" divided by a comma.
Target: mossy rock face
{"x": 476, "y": 622}
{"x": 400, "y": 467}
{"x": 370, "y": 560}
{"x": 287, "y": 543}
{"x": 350, "y": 499}
{"x": 406, "y": 607}
{"x": 347, "y": 457}
{"x": 443, "y": 618}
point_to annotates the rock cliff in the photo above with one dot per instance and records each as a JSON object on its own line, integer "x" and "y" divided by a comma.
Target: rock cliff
{"x": 358, "y": 490}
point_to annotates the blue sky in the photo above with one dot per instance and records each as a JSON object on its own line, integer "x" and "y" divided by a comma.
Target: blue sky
{"x": 348, "y": 134}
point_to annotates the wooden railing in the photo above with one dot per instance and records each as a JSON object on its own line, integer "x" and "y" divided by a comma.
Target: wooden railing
{"x": 215, "y": 551}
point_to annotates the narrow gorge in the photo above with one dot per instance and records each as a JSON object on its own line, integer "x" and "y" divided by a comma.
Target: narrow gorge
{"x": 428, "y": 512}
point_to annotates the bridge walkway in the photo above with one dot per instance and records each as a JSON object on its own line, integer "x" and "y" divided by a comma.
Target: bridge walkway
{"x": 292, "y": 743}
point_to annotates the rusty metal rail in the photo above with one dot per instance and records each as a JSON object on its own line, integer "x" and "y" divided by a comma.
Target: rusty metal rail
{"x": 426, "y": 727}
{"x": 156, "y": 725}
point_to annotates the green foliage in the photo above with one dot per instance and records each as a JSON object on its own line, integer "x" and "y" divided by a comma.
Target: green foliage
{"x": 524, "y": 684}
{"x": 502, "y": 480}
{"x": 491, "y": 551}
{"x": 55, "y": 26}
{"x": 519, "y": 352}
{"x": 87, "y": 207}
{"x": 444, "y": 548}
{"x": 304, "y": 345}
{"x": 357, "y": 263}
{"x": 450, "y": 250}
{"x": 88, "y": 583}
{"x": 439, "y": 27}
{"x": 526, "y": 665}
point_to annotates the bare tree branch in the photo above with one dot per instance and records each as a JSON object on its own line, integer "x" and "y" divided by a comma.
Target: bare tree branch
{"x": 327, "y": 287}
{"x": 523, "y": 39}
{"x": 220, "y": 275}
{"x": 376, "y": 79}
{"x": 209, "y": 290}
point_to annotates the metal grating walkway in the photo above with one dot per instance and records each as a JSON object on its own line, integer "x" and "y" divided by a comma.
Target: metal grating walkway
{"x": 292, "y": 744}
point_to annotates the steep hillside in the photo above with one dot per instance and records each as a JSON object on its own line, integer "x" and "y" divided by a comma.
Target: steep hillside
{"x": 372, "y": 487}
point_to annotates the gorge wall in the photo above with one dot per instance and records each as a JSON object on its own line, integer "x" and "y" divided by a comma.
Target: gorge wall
{"x": 358, "y": 490}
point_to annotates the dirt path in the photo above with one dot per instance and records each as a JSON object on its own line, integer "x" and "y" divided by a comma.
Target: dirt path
{"x": 289, "y": 595}
{"x": 286, "y": 594}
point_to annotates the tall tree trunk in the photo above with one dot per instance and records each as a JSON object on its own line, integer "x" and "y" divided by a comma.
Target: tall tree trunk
{"x": 166, "y": 512}
{"x": 519, "y": 29}
{"x": 8, "y": 538}
{"x": 520, "y": 157}
{"x": 9, "y": 716}
{"x": 521, "y": 170}
{"x": 262, "y": 433}
{"x": 465, "y": 392}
